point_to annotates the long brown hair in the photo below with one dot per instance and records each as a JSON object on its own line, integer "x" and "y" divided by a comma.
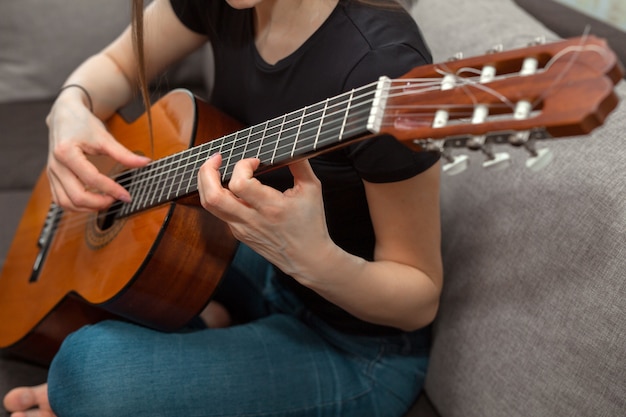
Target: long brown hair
{"x": 137, "y": 7}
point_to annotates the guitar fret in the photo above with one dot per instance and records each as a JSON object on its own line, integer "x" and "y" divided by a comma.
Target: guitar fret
{"x": 310, "y": 126}
{"x": 321, "y": 123}
{"x": 139, "y": 182}
{"x": 144, "y": 188}
{"x": 334, "y": 120}
{"x": 157, "y": 187}
{"x": 345, "y": 117}
{"x": 190, "y": 185}
{"x": 177, "y": 179}
{"x": 237, "y": 151}
{"x": 274, "y": 130}
{"x": 170, "y": 179}
{"x": 263, "y": 136}
{"x": 298, "y": 133}
{"x": 226, "y": 162}
{"x": 295, "y": 142}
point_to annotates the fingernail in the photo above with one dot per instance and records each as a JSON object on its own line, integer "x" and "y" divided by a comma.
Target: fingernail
{"x": 125, "y": 198}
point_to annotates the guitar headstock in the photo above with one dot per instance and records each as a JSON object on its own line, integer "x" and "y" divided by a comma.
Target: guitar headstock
{"x": 511, "y": 97}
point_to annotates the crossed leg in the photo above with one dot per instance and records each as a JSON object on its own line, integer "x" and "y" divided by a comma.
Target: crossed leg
{"x": 33, "y": 401}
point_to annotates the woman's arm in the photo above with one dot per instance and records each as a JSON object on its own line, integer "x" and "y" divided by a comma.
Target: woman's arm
{"x": 110, "y": 78}
{"x": 400, "y": 288}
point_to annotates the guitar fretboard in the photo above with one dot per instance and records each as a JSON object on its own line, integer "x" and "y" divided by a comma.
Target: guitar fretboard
{"x": 310, "y": 130}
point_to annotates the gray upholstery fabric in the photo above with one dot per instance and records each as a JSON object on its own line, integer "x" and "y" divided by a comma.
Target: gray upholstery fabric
{"x": 533, "y": 315}
{"x": 41, "y": 42}
{"x": 473, "y": 27}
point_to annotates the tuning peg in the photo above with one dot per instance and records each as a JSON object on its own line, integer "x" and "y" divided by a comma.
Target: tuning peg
{"x": 456, "y": 164}
{"x": 456, "y": 57}
{"x": 498, "y": 161}
{"x": 539, "y": 40}
{"x": 539, "y": 159}
{"x": 496, "y": 48}
{"x": 495, "y": 161}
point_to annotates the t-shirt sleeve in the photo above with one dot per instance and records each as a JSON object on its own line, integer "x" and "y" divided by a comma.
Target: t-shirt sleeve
{"x": 383, "y": 158}
{"x": 194, "y": 14}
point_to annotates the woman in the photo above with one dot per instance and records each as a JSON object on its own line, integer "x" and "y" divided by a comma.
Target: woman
{"x": 332, "y": 317}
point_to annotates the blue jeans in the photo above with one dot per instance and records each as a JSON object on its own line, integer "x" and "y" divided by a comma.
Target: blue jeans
{"x": 285, "y": 362}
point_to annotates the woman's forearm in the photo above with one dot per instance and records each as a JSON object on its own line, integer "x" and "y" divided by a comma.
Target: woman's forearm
{"x": 382, "y": 292}
{"x": 108, "y": 87}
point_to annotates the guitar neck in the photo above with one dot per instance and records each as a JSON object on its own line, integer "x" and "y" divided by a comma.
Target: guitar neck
{"x": 300, "y": 134}
{"x": 473, "y": 103}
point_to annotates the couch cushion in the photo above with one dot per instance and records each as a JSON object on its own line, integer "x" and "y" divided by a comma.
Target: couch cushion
{"x": 41, "y": 42}
{"x": 533, "y": 313}
{"x": 568, "y": 22}
{"x": 24, "y": 143}
{"x": 473, "y": 27}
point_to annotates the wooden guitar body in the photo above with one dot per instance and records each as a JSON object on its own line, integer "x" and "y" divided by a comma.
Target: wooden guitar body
{"x": 157, "y": 268}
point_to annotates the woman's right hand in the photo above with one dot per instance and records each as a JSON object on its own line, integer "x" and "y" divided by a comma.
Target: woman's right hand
{"x": 74, "y": 133}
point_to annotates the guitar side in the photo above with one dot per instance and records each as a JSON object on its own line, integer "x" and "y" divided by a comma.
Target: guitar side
{"x": 157, "y": 268}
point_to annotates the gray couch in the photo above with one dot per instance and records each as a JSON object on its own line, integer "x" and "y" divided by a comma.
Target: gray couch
{"x": 533, "y": 313}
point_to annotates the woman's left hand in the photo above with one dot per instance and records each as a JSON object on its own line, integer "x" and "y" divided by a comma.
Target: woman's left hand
{"x": 287, "y": 228}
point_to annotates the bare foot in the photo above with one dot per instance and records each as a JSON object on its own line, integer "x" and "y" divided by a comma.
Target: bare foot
{"x": 28, "y": 402}
{"x": 215, "y": 315}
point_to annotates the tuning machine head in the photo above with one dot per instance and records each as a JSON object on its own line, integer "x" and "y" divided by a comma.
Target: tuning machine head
{"x": 455, "y": 164}
{"x": 539, "y": 158}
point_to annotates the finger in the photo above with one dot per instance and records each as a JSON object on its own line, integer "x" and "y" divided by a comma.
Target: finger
{"x": 243, "y": 176}
{"x": 123, "y": 155}
{"x": 210, "y": 183}
{"x": 245, "y": 186}
{"x": 303, "y": 172}
{"x": 75, "y": 165}
{"x": 71, "y": 194}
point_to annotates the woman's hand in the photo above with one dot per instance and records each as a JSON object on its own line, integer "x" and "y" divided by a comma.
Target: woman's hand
{"x": 288, "y": 229}
{"x": 399, "y": 288}
{"x": 75, "y": 132}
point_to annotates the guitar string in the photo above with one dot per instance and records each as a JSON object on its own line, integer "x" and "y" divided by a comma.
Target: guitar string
{"x": 412, "y": 83}
{"x": 403, "y": 86}
{"x": 434, "y": 82}
{"x": 174, "y": 163}
{"x": 305, "y": 135}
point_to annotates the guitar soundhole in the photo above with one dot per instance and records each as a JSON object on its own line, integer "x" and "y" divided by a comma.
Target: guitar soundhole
{"x": 104, "y": 226}
{"x": 107, "y": 218}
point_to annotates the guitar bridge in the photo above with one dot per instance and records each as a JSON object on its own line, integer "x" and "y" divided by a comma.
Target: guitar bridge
{"x": 45, "y": 237}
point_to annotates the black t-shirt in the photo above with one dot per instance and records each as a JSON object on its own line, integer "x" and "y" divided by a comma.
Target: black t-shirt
{"x": 353, "y": 47}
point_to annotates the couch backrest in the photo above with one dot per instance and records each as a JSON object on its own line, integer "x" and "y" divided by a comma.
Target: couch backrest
{"x": 41, "y": 42}
{"x": 533, "y": 314}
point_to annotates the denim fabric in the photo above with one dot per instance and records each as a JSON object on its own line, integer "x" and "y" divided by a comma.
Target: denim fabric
{"x": 283, "y": 362}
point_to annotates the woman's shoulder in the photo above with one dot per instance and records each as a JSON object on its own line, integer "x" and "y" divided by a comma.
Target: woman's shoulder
{"x": 382, "y": 23}
{"x": 394, "y": 41}
{"x": 210, "y": 18}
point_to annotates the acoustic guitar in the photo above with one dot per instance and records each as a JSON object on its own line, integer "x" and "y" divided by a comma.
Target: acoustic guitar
{"x": 157, "y": 260}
